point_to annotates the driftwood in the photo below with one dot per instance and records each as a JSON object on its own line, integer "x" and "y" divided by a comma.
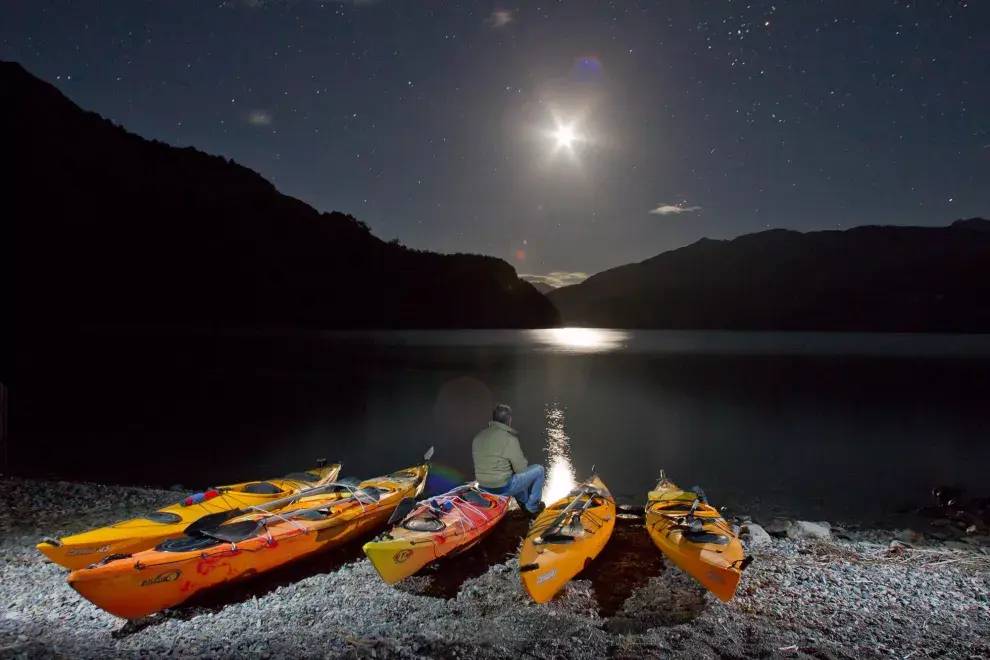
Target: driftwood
{"x": 824, "y": 553}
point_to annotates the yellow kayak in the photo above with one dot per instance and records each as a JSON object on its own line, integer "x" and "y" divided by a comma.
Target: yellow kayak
{"x": 692, "y": 533}
{"x": 175, "y": 570}
{"x": 145, "y": 532}
{"x": 565, "y": 538}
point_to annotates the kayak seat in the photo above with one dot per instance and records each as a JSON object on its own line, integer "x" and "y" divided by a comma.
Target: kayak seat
{"x": 369, "y": 494}
{"x": 308, "y": 477}
{"x": 313, "y": 515}
{"x": 424, "y": 525}
{"x": 187, "y": 544}
{"x": 476, "y": 498}
{"x": 261, "y": 488}
{"x": 677, "y": 506}
{"x": 162, "y": 517}
{"x": 705, "y": 537}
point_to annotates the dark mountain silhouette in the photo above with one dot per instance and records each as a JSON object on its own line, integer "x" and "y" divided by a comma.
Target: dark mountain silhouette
{"x": 112, "y": 228}
{"x": 543, "y": 287}
{"x": 870, "y": 278}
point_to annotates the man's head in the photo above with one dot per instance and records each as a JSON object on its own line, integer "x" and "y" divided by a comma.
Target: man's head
{"x": 503, "y": 414}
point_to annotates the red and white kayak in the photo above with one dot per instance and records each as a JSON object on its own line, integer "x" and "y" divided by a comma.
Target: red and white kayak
{"x": 441, "y": 526}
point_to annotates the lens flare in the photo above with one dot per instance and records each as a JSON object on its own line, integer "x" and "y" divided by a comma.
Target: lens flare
{"x": 442, "y": 478}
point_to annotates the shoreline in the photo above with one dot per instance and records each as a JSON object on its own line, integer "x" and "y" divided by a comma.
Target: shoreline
{"x": 851, "y": 595}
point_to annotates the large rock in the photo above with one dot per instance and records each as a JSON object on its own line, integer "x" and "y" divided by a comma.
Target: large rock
{"x": 910, "y": 537}
{"x": 804, "y": 530}
{"x": 754, "y": 535}
{"x": 779, "y": 527}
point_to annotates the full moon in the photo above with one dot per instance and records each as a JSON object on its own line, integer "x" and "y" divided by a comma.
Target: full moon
{"x": 565, "y": 136}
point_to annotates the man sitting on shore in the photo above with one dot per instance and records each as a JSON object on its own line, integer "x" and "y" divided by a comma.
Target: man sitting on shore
{"x": 499, "y": 465}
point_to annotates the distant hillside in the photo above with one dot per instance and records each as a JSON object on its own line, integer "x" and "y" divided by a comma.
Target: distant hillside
{"x": 543, "y": 287}
{"x": 872, "y": 278}
{"x": 115, "y": 229}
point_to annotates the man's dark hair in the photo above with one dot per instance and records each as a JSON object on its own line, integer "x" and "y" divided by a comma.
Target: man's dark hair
{"x": 502, "y": 413}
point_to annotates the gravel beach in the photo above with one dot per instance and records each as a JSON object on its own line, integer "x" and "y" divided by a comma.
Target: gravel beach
{"x": 849, "y": 594}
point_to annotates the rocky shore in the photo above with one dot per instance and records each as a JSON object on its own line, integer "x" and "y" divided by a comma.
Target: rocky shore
{"x": 814, "y": 590}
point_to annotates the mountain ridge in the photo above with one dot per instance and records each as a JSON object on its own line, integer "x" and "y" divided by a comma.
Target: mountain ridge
{"x": 865, "y": 278}
{"x": 157, "y": 234}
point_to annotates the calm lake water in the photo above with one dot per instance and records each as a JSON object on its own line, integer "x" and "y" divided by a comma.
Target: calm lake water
{"x": 821, "y": 423}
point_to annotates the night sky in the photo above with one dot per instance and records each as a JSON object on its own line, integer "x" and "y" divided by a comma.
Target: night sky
{"x": 566, "y": 137}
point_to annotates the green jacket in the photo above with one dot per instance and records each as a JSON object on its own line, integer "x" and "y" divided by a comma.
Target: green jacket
{"x": 497, "y": 455}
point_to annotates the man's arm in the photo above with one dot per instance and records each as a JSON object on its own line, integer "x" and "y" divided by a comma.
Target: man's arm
{"x": 513, "y": 452}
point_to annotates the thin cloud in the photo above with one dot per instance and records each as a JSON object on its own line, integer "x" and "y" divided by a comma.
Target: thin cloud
{"x": 258, "y": 4}
{"x": 259, "y": 117}
{"x": 556, "y": 279}
{"x": 671, "y": 209}
{"x": 500, "y": 18}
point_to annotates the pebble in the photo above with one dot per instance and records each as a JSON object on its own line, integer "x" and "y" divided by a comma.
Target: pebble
{"x": 809, "y": 594}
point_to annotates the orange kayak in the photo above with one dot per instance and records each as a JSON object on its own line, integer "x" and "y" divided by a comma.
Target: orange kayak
{"x": 694, "y": 535}
{"x": 132, "y": 586}
{"x": 441, "y": 526}
{"x": 565, "y": 538}
{"x": 145, "y": 532}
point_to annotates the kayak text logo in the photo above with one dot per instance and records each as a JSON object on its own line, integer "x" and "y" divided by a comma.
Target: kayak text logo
{"x": 167, "y": 576}
{"x": 546, "y": 576}
{"x": 75, "y": 552}
{"x": 401, "y": 556}
{"x": 712, "y": 575}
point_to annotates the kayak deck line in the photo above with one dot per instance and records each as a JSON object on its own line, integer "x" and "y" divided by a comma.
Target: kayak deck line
{"x": 146, "y": 530}
{"x": 441, "y": 526}
{"x": 565, "y": 538}
{"x": 176, "y": 569}
{"x": 694, "y": 535}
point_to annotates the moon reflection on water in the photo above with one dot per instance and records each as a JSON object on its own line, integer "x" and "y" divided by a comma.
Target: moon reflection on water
{"x": 560, "y": 471}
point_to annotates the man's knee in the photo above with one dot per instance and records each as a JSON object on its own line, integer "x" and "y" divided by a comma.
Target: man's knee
{"x": 537, "y": 468}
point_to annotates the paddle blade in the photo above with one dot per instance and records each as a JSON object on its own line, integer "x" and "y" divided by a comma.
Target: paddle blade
{"x": 211, "y": 520}
{"x": 404, "y": 508}
{"x": 574, "y": 527}
{"x": 428, "y": 455}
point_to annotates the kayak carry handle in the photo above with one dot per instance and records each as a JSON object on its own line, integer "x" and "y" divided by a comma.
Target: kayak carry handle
{"x": 743, "y": 563}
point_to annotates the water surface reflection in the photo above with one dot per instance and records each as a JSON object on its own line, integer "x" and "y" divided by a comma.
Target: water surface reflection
{"x": 560, "y": 472}
{"x": 580, "y": 340}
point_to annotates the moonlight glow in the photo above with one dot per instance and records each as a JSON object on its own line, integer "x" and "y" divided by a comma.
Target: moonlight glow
{"x": 565, "y": 137}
